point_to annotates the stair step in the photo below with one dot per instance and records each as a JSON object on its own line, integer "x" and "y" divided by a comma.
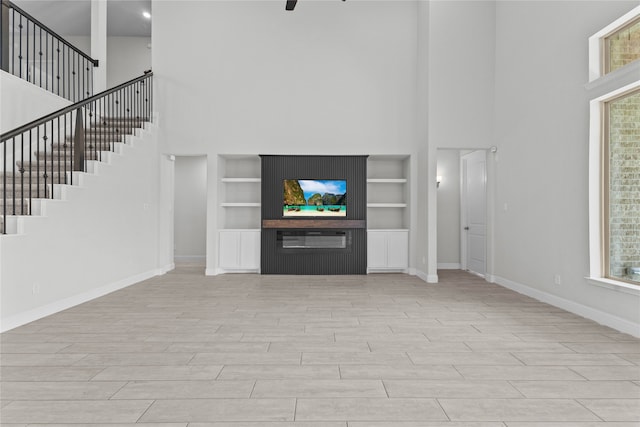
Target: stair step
{"x": 98, "y": 139}
{"x": 23, "y": 178}
{"x": 66, "y": 147}
{"x": 137, "y": 122}
{"x": 15, "y": 207}
{"x": 24, "y": 190}
{"x": 67, "y": 154}
{"x": 44, "y": 166}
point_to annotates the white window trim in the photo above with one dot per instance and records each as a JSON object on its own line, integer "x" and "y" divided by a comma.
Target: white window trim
{"x": 596, "y": 42}
{"x": 595, "y": 143}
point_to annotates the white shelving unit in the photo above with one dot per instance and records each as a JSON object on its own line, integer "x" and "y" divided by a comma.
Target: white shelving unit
{"x": 239, "y": 213}
{"x": 388, "y": 215}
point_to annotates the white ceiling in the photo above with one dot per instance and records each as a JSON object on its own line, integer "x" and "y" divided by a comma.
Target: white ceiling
{"x": 73, "y": 17}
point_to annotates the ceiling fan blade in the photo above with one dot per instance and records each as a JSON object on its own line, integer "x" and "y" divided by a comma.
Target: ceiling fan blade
{"x": 291, "y": 4}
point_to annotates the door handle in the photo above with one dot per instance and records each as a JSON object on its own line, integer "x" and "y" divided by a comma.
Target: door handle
{"x": 466, "y": 228}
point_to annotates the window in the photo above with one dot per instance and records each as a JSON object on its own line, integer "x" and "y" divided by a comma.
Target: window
{"x": 614, "y": 154}
{"x": 622, "y": 47}
{"x": 615, "y": 46}
{"x": 621, "y": 188}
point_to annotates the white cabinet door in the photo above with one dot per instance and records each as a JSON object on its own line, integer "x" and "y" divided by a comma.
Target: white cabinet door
{"x": 387, "y": 249}
{"x": 376, "y": 249}
{"x": 250, "y": 250}
{"x": 239, "y": 250}
{"x": 397, "y": 249}
{"x": 229, "y": 248}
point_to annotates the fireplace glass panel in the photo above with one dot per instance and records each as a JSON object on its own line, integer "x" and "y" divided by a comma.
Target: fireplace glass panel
{"x": 303, "y": 240}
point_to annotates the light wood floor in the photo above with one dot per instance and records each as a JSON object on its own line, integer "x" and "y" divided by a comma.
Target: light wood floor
{"x": 319, "y": 351}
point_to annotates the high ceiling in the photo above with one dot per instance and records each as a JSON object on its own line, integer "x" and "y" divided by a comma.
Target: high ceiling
{"x": 73, "y": 17}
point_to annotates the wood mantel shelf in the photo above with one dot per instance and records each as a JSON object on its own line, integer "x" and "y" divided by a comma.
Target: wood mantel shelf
{"x": 314, "y": 223}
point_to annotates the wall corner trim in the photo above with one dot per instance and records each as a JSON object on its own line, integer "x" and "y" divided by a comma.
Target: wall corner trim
{"x": 598, "y": 316}
{"x": 28, "y": 316}
{"x": 429, "y": 278}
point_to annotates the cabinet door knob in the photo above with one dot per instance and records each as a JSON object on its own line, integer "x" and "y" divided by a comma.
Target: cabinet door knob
{"x": 466, "y": 228}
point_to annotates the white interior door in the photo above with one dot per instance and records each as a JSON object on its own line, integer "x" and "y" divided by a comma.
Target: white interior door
{"x": 474, "y": 211}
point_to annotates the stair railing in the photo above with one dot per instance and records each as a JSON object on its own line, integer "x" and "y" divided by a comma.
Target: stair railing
{"x": 34, "y": 52}
{"x": 45, "y": 152}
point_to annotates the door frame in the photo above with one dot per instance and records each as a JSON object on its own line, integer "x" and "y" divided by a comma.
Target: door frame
{"x": 432, "y": 210}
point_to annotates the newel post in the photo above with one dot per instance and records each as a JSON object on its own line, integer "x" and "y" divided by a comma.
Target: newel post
{"x": 78, "y": 143}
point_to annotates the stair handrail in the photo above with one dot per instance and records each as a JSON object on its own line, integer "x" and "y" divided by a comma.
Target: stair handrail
{"x": 47, "y": 151}
{"x": 47, "y": 60}
{"x": 12, "y": 5}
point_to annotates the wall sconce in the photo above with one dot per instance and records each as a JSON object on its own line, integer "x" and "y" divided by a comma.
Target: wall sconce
{"x": 438, "y": 180}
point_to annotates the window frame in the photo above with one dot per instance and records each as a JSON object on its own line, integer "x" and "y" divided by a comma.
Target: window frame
{"x": 598, "y": 187}
{"x": 598, "y": 49}
{"x": 614, "y": 85}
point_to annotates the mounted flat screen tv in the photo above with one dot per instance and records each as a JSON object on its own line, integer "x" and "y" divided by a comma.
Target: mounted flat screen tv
{"x": 314, "y": 198}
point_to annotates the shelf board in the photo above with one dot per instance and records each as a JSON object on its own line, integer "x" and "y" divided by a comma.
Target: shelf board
{"x": 388, "y": 229}
{"x": 386, "y": 180}
{"x": 386, "y": 205}
{"x": 240, "y": 205}
{"x": 241, "y": 180}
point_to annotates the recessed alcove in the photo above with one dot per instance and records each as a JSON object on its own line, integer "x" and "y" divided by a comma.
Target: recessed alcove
{"x": 313, "y": 242}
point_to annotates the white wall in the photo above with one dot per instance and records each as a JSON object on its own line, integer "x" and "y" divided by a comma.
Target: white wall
{"x": 542, "y": 134}
{"x": 461, "y": 91}
{"x": 449, "y": 209}
{"x": 190, "y": 208}
{"x": 104, "y": 236}
{"x": 127, "y": 58}
{"x": 331, "y": 77}
{"x": 22, "y": 102}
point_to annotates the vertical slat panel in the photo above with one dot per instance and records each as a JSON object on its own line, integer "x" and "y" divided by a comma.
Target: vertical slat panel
{"x": 275, "y": 169}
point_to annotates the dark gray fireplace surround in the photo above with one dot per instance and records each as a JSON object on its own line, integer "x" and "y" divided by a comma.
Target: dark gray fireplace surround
{"x": 318, "y": 245}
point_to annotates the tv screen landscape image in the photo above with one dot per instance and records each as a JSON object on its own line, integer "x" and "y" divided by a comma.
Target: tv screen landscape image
{"x": 314, "y": 197}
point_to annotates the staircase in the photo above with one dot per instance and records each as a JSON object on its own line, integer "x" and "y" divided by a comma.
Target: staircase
{"x": 47, "y": 153}
{"x": 20, "y": 192}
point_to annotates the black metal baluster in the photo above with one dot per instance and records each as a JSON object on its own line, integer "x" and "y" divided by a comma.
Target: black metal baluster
{"x": 70, "y": 146}
{"x": 74, "y": 76}
{"x": 4, "y": 184}
{"x": 65, "y": 157}
{"x": 46, "y": 60}
{"x": 37, "y": 162}
{"x": 46, "y": 160}
{"x": 58, "y": 64}
{"x": 30, "y": 169}
{"x": 13, "y": 43}
{"x": 33, "y": 58}
{"x": 40, "y": 55}
{"x": 103, "y": 122}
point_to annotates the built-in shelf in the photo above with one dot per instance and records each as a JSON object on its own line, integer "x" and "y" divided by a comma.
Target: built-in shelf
{"x": 241, "y": 180}
{"x": 240, "y": 205}
{"x": 386, "y": 181}
{"x": 239, "y": 192}
{"x": 386, "y": 205}
{"x": 388, "y": 192}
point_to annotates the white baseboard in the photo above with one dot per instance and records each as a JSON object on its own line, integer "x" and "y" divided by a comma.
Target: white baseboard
{"x": 429, "y": 278}
{"x": 23, "y": 318}
{"x": 448, "y": 266}
{"x": 166, "y": 268}
{"x": 601, "y": 317}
